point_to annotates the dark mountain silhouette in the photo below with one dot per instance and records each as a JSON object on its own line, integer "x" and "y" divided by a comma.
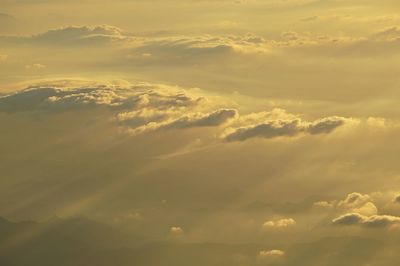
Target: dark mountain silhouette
{"x": 83, "y": 242}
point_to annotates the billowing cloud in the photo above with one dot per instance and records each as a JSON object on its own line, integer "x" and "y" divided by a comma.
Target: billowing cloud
{"x": 141, "y": 95}
{"x": 143, "y": 107}
{"x": 354, "y": 199}
{"x": 358, "y": 203}
{"x": 353, "y": 203}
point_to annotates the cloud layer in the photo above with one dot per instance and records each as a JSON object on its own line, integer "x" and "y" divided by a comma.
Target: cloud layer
{"x": 374, "y": 221}
{"x": 148, "y": 107}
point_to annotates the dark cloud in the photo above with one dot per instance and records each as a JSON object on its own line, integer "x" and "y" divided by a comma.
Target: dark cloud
{"x": 216, "y": 118}
{"x": 286, "y": 128}
{"x": 396, "y": 199}
{"x": 270, "y": 129}
{"x": 374, "y": 221}
{"x": 51, "y": 98}
{"x": 325, "y": 125}
{"x": 349, "y": 219}
{"x": 45, "y": 98}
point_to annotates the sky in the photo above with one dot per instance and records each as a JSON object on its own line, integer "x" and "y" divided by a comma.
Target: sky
{"x": 182, "y": 132}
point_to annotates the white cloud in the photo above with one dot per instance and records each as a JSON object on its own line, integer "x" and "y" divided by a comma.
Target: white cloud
{"x": 176, "y": 230}
{"x": 279, "y": 224}
{"x": 353, "y": 203}
{"x": 271, "y": 253}
{"x": 325, "y": 204}
{"x": 354, "y": 199}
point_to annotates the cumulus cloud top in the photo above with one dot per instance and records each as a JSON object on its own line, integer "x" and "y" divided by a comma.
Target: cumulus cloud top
{"x": 138, "y": 95}
{"x": 355, "y": 199}
{"x": 176, "y": 230}
{"x": 358, "y": 203}
{"x": 362, "y": 204}
{"x": 271, "y": 253}
{"x": 359, "y": 209}
{"x": 279, "y": 224}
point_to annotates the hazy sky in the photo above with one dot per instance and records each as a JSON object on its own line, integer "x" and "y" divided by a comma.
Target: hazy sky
{"x": 268, "y": 127}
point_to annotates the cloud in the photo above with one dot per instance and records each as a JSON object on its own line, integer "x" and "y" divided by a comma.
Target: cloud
{"x": 183, "y": 50}
{"x": 35, "y": 66}
{"x": 72, "y": 35}
{"x": 387, "y": 34}
{"x": 271, "y": 253}
{"x": 368, "y": 208}
{"x": 354, "y": 199}
{"x": 270, "y": 129}
{"x": 286, "y": 128}
{"x": 358, "y": 203}
{"x": 380, "y": 43}
{"x": 176, "y": 230}
{"x": 212, "y": 119}
{"x": 140, "y": 95}
{"x": 279, "y": 224}
{"x": 172, "y": 49}
{"x": 324, "y": 204}
{"x": 353, "y": 203}
{"x": 52, "y": 98}
{"x": 374, "y": 221}
{"x": 140, "y": 107}
{"x": 396, "y": 199}
{"x": 144, "y": 107}
{"x": 349, "y": 219}
{"x": 326, "y": 125}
